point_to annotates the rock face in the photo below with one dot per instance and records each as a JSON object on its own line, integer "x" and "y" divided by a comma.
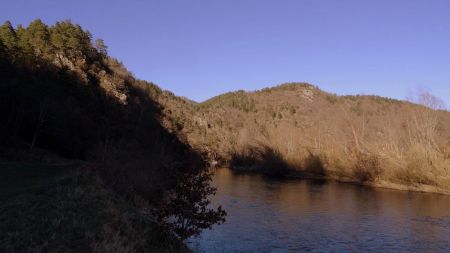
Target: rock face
{"x": 307, "y": 93}
{"x": 62, "y": 61}
{"x": 114, "y": 87}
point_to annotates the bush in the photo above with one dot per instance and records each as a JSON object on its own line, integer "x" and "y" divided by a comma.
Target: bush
{"x": 417, "y": 167}
{"x": 332, "y": 98}
{"x": 367, "y": 168}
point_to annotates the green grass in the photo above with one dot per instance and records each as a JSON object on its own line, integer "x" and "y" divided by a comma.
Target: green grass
{"x": 66, "y": 208}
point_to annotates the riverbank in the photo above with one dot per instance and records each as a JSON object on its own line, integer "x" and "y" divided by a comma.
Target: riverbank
{"x": 338, "y": 177}
{"x": 53, "y": 204}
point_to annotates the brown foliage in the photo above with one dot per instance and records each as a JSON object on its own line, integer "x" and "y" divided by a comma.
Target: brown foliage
{"x": 335, "y": 129}
{"x": 367, "y": 168}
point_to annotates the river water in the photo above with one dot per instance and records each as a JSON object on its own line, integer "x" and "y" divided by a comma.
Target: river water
{"x": 268, "y": 215}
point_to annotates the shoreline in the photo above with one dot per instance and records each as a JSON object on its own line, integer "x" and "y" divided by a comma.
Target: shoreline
{"x": 302, "y": 175}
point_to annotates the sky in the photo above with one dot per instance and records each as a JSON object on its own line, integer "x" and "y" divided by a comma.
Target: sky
{"x": 200, "y": 49}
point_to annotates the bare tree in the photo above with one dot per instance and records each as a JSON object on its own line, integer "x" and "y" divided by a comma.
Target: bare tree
{"x": 41, "y": 122}
{"x": 424, "y": 120}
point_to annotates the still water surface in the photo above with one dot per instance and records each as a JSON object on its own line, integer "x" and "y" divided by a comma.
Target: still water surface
{"x": 267, "y": 215}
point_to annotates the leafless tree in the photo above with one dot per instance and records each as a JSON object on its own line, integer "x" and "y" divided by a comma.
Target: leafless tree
{"x": 41, "y": 122}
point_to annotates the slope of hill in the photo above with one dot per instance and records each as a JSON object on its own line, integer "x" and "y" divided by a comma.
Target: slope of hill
{"x": 63, "y": 206}
{"x": 60, "y": 91}
{"x": 297, "y": 127}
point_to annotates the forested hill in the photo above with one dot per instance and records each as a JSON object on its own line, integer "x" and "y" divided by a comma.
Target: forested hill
{"x": 60, "y": 91}
{"x": 298, "y": 127}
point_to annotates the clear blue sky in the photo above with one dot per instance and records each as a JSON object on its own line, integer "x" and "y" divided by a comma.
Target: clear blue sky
{"x": 200, "y": 49}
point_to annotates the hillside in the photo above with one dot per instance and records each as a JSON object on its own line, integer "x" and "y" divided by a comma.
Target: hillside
{"x": 298, "y": 127}
{"x": 61, "y": 92}
{"x": 64, "y": 206}
{"x": 87, "y": 147}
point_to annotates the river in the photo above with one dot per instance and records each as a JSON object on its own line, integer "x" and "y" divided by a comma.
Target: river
{"x": 284, "y": 215}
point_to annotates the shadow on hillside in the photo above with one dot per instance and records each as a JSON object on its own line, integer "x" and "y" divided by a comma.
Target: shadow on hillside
{"x": 271, "y": 162}
{"x": 59, "y": 91}
{"x": 69, "y": 113}
{"x": 313, "y": 165}
{"x": 262, "y": 159}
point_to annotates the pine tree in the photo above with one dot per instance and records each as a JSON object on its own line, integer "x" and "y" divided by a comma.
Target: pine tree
{"x": 8, "y": 37}
{"x": 71, "y": 40}
{"x": 38, "y": 37}
{"x": 4, "y": 60}
{"x": 101, "y": 47}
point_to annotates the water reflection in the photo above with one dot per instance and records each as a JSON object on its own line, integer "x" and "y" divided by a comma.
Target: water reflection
{"x": 267, "y": 215}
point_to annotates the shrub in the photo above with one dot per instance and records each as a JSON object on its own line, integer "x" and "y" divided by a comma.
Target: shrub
{"x": 292, "y": 110}
{"x": 332, "y": 98}
{"x": 367, "y": 168}
{"x": 418, "y": 164}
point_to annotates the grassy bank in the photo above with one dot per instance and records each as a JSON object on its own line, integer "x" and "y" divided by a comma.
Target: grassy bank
{"x": 415, "y": 173}
{"x": 63, "y": 206}
{"x": 339, "y": 177}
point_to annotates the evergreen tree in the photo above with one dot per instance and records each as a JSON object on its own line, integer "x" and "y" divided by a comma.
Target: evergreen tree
{"x": 22, "y": 40}
{"x": 71, "y": 40}
{"x": 38, "y": 37}
{"x": 101, "y": 47}
{"x": 4, "y": 60}
{"x": 8, "y": 37}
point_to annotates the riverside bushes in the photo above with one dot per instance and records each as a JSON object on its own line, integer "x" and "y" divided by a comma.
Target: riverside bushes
{"x": 367, "y": 168}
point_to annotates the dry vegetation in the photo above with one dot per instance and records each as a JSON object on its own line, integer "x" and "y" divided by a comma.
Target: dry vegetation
{"x": 367, "y": 139}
